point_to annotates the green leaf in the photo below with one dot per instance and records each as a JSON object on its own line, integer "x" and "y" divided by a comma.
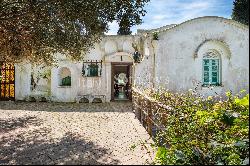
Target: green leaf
{"x": 161, "y": 152}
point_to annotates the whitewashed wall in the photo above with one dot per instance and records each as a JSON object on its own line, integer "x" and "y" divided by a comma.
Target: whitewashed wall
{"x": 144, "y": 77}
{"x": 173, "y": 62}
{"x": 179, "y": 54}
{"x": 109, "y": 50}
{"x": 22, "y": 81}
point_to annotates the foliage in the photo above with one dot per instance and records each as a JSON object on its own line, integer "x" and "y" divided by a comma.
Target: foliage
{"x": 137, "y": 57}
{"x": 130, "y": 15}
{"x": 124, "y": 26}
{"x": 241, "y": 11}
{"x": 155, "y": 36}
{"x": 35, "y": 29}
{"x": 204, "y": 130}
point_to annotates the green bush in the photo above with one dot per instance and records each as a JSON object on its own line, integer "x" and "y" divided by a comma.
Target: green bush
{"x": 204, "y": 131}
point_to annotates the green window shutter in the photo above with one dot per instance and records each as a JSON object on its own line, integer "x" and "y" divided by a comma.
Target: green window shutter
{"x": 206, "y": 72}
{"x": 66, "y": 81}
{"x": 211, "y": 71}
{"x": 206, "y": 61}
{"x": 93, "y": 70}
{"x": 62, "y": 82}
{"x": 215, "y": 71}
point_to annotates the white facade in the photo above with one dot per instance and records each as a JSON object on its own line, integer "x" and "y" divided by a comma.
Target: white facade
{"x": 173, "y": 62}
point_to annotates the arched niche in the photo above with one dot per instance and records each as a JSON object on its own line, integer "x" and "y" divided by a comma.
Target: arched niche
{"x": 220, "y": 52}
{"x": 219, "y": 46}
{"x": 64, "y": 76}
{"x": 127, "y": 46}
{"x": 110, "y": 47}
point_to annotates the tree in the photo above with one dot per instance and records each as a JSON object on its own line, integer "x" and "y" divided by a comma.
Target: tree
{"x": 35, "y": 29}
{"x": 124, "y": 26}
{"x": 131, "y": 15}
{"x": 241, "y": 11}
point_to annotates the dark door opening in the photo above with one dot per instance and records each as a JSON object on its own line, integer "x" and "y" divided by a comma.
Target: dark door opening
{"x": 7, "y": 81}
{"x": 121, "y": 81}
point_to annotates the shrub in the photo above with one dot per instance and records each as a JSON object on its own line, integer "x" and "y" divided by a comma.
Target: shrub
{"x": 204, "y": 131}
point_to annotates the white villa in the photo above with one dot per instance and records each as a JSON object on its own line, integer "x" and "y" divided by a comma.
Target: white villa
{"x": 194, "y": 54}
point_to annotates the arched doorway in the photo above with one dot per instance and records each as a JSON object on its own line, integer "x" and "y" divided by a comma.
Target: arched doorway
{"x": 7, "y": 81}
{"x": 121, "y": 81}
{"x": 121, "y": 75}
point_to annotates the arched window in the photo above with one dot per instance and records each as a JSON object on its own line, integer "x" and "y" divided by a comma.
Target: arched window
{"x": 65, "y": 77}
{"x": 211, "y": 68}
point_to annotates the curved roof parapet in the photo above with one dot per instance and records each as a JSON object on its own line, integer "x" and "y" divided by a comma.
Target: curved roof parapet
{"x": 167, "y": 27}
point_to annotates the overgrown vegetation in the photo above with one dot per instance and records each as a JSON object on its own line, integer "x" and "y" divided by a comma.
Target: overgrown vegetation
{"x": 204, "y": 130}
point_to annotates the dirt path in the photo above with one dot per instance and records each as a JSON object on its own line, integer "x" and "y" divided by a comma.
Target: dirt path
{"x": 64, "y": 133}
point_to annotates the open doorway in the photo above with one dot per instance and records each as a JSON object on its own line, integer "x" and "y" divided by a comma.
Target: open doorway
{"x": 121, "y": 81}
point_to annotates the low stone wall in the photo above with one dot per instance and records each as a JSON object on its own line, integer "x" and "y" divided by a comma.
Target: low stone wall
{"x": 151, "y": 113}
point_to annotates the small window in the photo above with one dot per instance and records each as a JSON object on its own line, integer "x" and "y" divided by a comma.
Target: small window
{"x": 92, "y": 69}
{"x": 65, "y": 77}
{"x": 211, "y": 69}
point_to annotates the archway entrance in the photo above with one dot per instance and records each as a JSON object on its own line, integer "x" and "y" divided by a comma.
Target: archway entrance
{"x": 121, "y": 81}
{"x": 7, "y": 81}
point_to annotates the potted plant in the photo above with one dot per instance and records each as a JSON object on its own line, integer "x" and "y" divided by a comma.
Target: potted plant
{"x": 155, "y": 36}
{"x": 137, "y": 57}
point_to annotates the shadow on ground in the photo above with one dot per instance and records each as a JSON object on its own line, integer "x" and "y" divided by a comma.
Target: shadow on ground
{"x": 123, "y": 106}
{"x": 7, "y": 125}
{"x": 33, "y": 146}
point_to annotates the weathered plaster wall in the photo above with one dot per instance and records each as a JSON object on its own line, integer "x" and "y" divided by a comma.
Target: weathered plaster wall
{"x": 64, "y": 93}
{"x": 109, "y": 50}
{"x": 22, "y": 80}
{"x": 179, "y": 64}
{"x": 144, "y": 71}
{"x": 173, "y": 62}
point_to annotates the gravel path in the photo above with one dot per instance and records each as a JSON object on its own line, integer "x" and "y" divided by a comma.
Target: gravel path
{"x": 66, "y": 133}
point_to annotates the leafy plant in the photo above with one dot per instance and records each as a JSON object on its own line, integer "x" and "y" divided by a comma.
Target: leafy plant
{"x": 155, "y": 36}
{"x": 202, "y": 130}
{"x": 35, "y": 30}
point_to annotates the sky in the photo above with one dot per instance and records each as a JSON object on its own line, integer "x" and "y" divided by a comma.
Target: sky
{"x": 165, "y": 12}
